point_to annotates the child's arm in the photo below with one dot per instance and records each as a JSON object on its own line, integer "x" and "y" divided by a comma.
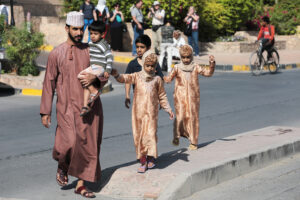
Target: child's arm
{"x": 123, "y": 78}
{"x": 163, "y": 99}
{"x": 171, "y": 75}
{"x": 207, "y": 71}
{"x": 109, "y": 60}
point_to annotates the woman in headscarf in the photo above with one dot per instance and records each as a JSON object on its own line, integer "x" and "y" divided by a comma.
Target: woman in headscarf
{"x": 103, "y": 15}
{"x": 148, "y": 94}
{"x": 187, "y": 95}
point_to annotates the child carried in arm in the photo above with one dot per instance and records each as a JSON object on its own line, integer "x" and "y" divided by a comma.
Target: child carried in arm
{"x": 149, "y": 93}
{"x": 101, "y": 60}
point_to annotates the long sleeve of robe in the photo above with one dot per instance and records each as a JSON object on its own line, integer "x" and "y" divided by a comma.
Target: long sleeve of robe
{"x": 77, "y": 139}
{"x": 187, "y": 101}
{"x": 146, "y": 100}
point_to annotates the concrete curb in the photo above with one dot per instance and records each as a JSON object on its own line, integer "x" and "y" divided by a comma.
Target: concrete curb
{"x": 229, "y": 169}
{"x": 210, "y": 165}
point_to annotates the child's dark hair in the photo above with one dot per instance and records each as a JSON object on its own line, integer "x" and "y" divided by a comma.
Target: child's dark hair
{"x": 144, "y": 39}
{"x": 266, "y": 19}
{"x": 98, "y": 26}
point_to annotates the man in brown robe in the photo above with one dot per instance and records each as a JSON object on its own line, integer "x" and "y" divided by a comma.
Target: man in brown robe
{"x": 77, "y": 139}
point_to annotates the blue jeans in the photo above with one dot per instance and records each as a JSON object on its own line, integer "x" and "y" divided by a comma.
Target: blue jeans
{"x": 136, "y": 32}
{"x": 87, "y": 22}
{"x": 193, "y": 41}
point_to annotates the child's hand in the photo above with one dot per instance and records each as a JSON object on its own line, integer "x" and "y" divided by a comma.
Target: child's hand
{"x": 114, "y": 72}
{"x": 171, "y": 115}
{"x": 211, "y": 58}
{"x": 106, "y": 75}
{"x": 167, "y": 80}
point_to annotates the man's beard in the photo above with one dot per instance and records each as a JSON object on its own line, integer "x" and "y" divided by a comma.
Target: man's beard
{"x": 73, "y": 39}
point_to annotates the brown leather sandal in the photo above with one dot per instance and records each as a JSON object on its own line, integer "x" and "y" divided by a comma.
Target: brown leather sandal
{"x": 61, "y": 177}
{"x": 86, "y": 193}
{"x": 93, "y": 97}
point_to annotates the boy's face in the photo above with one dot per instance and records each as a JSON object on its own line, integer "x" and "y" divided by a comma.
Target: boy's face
{"x": 140, "y": 49}
{"x": 149, "y": 67}
{"x": 263, "y": 23}
{"x": 186, "y": 59}
{"x": 95, "y": 36}
{"x": 176, "y": 35}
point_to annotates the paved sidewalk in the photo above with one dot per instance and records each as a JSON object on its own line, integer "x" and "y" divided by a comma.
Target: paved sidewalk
{"x": 181, "y": 173}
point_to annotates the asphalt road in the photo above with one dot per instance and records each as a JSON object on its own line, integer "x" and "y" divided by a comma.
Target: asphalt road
{"x": 231, "y": 103}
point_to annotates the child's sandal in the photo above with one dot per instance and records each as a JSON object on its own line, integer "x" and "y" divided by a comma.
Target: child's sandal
{"x": 193, "y": 147}
{"x": 142, "y": 169}
{"x": 84, "y": 111}
{"x": 175, "y": 141}
{"x": 93, "y": 97}
{"x": 150, "y": 163}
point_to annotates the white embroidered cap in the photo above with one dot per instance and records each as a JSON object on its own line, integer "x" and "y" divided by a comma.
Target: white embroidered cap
{"x": 75, "y": 18}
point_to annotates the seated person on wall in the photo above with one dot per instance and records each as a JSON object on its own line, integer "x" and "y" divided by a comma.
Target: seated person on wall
{"x": 166, "y": 41}
{"x": 266, "y": 35}
{"x": 178, "y": 41}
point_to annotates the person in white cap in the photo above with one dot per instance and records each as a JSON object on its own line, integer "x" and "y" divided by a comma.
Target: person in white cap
{"x": 77, "y": 140}
{"x": 158, "y": 16}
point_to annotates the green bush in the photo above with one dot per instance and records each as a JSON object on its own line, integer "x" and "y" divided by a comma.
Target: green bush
{"x": 22, "y": 49}
{"x": 285, "y": 16}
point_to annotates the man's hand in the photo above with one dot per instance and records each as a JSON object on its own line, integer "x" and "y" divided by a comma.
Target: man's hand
{"x": 114, "y": 72}
{"x": 46, "y": 120}
{"x": 87, "y": 79}
{"x": 140, "y": 26}
{"x": 127, "y": 103}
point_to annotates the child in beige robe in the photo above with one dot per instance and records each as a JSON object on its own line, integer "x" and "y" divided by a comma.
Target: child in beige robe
{"x": 187, "y": 95}
{"x": 148, "y": 94}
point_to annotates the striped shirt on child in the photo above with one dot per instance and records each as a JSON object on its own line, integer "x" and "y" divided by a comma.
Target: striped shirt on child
{"x": 100, "y": 54}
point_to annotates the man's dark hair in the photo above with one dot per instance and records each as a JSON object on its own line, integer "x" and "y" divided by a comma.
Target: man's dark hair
{"x": 117, "y": 4}
{"x": 98, "y": 26}
{"x": 137, "y": 1}
{"x": 266, "y": 19}
{"x": 168, "y": 20}
{"x": 144, "y": 39}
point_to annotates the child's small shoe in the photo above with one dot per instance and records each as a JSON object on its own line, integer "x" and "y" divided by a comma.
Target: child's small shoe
{"x": 175, "y": 141}
{"x": 143, "y": 168}
{"x": 150, "y": 162}
{"x": 193, "y": 147}
{"x": 93, "y": 97}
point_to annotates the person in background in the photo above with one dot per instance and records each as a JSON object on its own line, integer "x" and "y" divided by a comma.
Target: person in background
{"x": 116, "y": 26}
{"x": 88, "y": 9}
{"x": 193, "y": 18}
{"x": 143, "y": 44}
{"x": 158, "y": 16}
{"x": 178, "y": 41}
{"x": 266, "y": 35}
{"x": 137, "y": 23}
{"x": 103, "y": 15}
{"x": 166, "y": 42}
